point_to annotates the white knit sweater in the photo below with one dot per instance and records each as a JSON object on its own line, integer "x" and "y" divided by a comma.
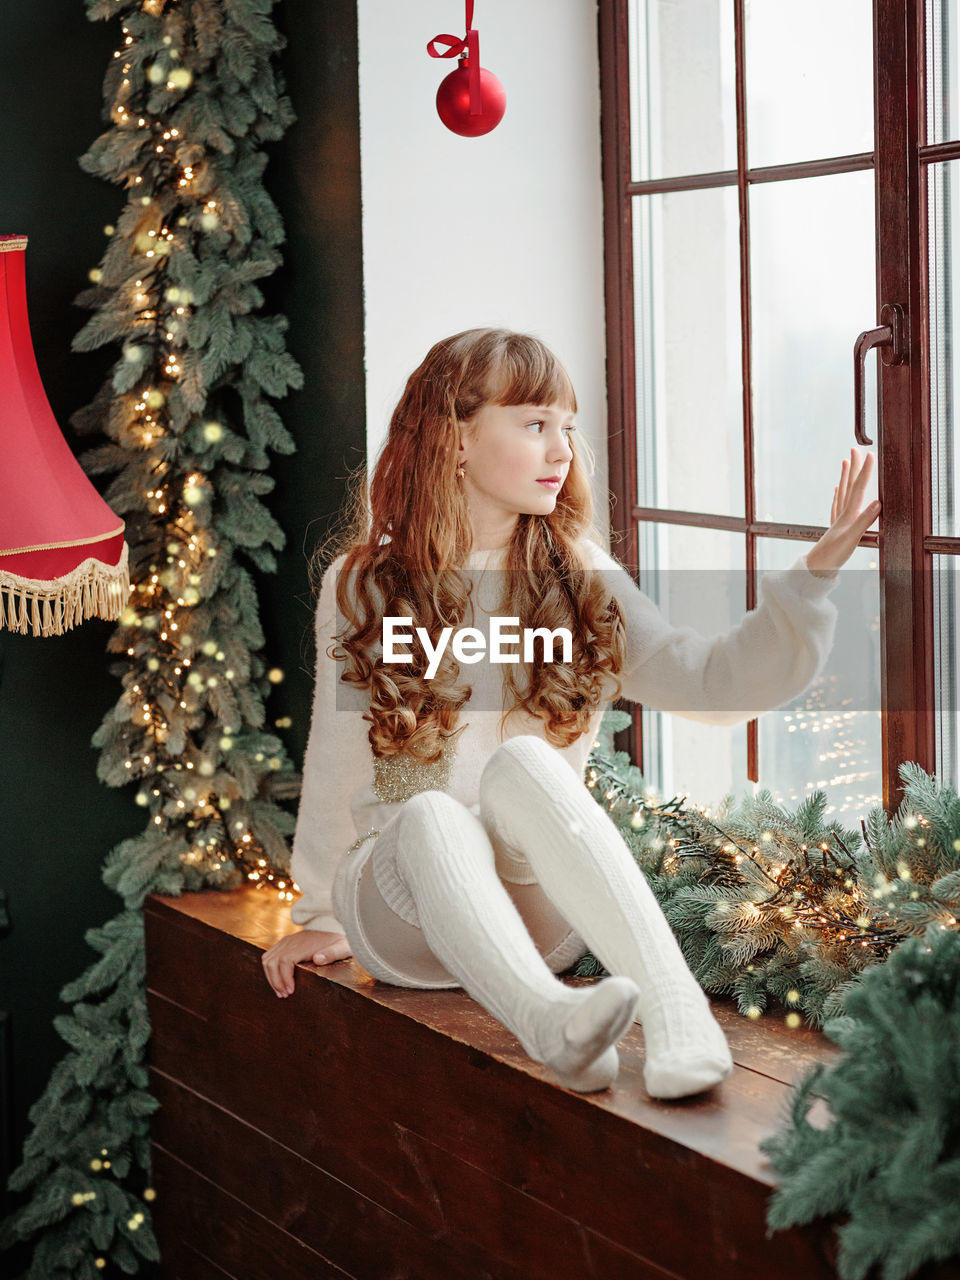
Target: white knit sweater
{"x": 767, "y": 659}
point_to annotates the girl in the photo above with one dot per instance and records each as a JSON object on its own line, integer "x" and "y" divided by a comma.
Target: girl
{"x": 445, "y": 836}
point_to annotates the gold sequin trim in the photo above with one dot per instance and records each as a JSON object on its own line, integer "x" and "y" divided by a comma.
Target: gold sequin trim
{"x": 397, "y": 778}
{"x": 11, "y": 243}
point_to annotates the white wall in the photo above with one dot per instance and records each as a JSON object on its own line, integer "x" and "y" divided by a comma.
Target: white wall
{"x": 504, "y": 229}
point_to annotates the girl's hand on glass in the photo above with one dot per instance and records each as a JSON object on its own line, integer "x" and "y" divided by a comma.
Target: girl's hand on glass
{"x": 847, "y": 522}
{"x": 316, "y": 945}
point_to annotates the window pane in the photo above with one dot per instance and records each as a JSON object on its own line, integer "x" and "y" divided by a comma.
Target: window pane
{"x": 809, "y": 80}
{"x": 945, "y": 662}
{"x": 682, "y": 89}
{"x": 943, "y": 204}
{"x": 696, "y": 578}
{"x": 689, "y": 375}
{"x": 943, "y": 82}
{"x": 813, "y": 290}
{"x": 828, "y": 739}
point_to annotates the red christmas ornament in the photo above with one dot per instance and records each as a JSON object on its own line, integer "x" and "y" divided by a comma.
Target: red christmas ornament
{"x": 471, "y": 100}
{"x": 453, "y": 102}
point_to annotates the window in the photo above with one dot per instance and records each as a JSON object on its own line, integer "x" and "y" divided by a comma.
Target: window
{"x": 779, "y": 179}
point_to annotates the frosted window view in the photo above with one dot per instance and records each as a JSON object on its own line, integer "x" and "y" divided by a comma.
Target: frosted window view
{"x": 696, "y": 579}
{"x": 689, "y": 374}
{"x": 943, "y": 203}
{"x": 809, "y": 72}
{"x": 943, "y": 71}
{"x": 946, "y": 584}
{"x": 813, "y": 290}
{"x": 682, "y": 88}
{"x": 809, "y": 81}
{"x": 829, "y": 739}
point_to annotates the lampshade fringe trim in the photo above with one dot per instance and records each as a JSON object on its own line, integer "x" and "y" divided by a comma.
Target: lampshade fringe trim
{"x": 91, "y": 590}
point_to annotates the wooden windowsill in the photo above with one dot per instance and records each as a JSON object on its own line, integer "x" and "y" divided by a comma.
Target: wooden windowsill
{"x": 724, "y": 1124}
{"x": 362, "y": 1130}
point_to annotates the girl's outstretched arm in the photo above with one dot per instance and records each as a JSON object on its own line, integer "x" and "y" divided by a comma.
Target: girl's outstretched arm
{"x": 769, "y": 657}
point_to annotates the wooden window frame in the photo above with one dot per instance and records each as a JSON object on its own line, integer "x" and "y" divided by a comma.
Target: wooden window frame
{"x": 904, "y": 540}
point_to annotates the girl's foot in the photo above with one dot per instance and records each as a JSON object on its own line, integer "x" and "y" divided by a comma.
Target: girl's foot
{"x": 582, "y": 1050}
{"x": 686, "y": 1053}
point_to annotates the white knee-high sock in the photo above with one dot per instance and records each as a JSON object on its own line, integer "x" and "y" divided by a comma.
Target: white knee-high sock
{"x": 444, "y": 857}
{"x": 534, "y": 801}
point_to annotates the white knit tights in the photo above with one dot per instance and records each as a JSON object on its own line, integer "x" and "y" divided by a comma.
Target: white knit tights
{"x": 443, "y": 863}
{"x": 439, "y": 870}
{"x": 537, "y": 806}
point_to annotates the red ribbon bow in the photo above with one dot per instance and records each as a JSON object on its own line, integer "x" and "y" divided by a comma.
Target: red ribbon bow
{"x": 468, "y": 50}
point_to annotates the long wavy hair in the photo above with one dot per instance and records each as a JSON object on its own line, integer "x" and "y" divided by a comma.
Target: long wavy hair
{"x": 406, "y": 548}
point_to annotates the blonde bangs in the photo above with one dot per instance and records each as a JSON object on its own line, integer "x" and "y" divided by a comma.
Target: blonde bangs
{"x": 524, "y": 371}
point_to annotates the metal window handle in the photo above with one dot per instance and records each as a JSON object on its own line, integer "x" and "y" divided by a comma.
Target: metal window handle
{"x": 890, "y": 338}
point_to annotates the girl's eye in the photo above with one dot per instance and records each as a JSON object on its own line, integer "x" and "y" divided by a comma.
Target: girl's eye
{"x": 568, "y": 431}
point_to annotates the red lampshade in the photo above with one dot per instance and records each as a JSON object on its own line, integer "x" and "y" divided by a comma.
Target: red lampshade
{"x": 62, "y": 553}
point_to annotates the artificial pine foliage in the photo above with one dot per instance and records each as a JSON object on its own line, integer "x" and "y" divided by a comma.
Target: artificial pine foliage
{"x": 889, "y": 1158}
{"x": 192, "y": 96}
{"x": 869, "y": 933}
{"x": 769, "y": 904}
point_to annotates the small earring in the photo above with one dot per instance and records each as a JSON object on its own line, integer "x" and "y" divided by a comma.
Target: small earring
{"x": 460, "y": 473}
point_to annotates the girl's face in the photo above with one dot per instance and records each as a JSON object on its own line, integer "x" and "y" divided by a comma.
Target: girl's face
{"x": 510, "y": 453}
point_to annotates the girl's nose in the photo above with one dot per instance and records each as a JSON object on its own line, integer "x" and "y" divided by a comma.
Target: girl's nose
{"x": 561, "y": 451}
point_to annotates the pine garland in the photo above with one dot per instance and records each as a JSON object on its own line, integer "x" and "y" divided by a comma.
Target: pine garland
{"x": 192, "y": 96}
{"x": 769, "y": 904}
{"x": 890, "y": 1158}
{"x": 862, "y": 937}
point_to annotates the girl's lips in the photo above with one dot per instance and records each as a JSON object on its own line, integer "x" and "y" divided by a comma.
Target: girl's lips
{"x": 549, "y": 484}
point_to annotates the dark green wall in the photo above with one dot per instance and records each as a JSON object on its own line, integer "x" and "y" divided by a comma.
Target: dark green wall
{"x": 58, "y": 821}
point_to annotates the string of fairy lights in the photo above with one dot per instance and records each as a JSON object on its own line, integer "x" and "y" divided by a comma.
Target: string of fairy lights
{"x": 783, "y": 883}
{"x": 173, "y": 673}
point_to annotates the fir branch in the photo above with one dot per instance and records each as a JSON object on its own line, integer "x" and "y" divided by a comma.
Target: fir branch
{"x": 890, "y": 1158}
{"x": 804, "y": 894}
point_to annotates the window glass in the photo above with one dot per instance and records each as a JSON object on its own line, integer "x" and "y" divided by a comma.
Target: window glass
{"x": 696, "y": 578}
{"x": 943, "y": 58}
{"x": 809, "y": 74}
{"x": 946, "y": 662}
{"x": 828, "y": 739}
{"x": 943, "y": 203}
{"x": 682, "y": 89}
{"x": 689, "y": 376}
{"x": 813, "y": 287}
